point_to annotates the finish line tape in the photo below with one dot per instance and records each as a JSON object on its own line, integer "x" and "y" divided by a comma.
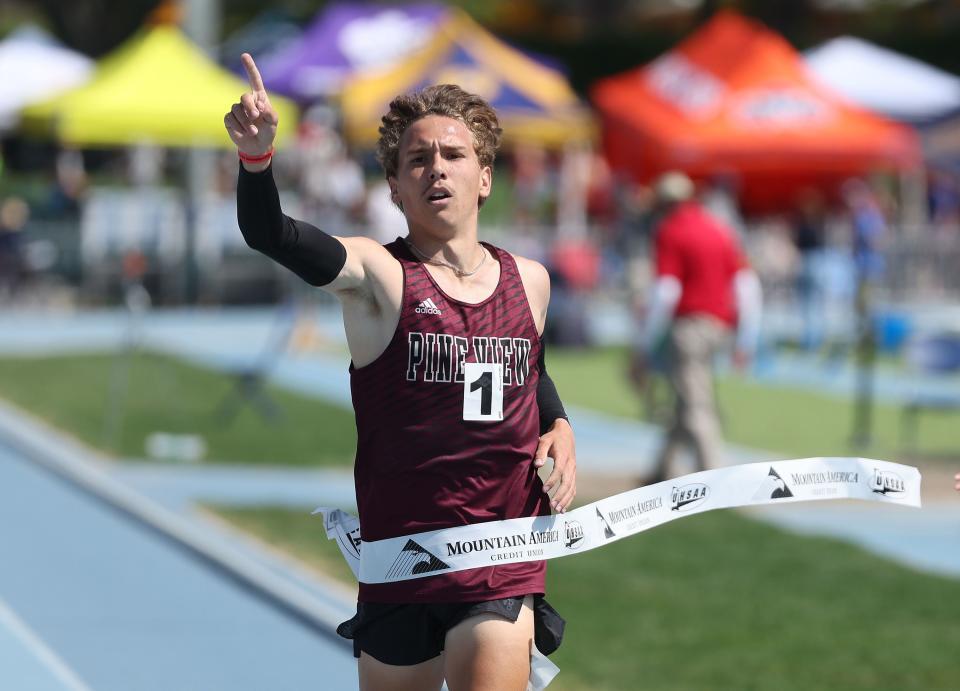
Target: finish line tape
{"x": 608, "y": 520}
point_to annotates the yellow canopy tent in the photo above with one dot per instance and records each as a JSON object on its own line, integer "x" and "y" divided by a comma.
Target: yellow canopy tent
{"x": 535, "y": 103}
{"x": 157, "y": 88}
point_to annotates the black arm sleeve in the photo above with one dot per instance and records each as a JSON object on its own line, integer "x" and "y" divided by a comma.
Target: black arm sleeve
{"x": 548, "y": 400}
{"x": 306, "y": 250}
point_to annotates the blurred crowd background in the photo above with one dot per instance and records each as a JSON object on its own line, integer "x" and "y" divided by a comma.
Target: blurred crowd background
{"x": 825, "y": 133}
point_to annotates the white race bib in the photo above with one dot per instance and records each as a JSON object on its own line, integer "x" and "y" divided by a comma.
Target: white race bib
{"x": 483, "y": 391}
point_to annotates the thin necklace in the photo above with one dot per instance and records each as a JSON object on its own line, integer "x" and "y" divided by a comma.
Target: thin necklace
{"x": 424, "y": 257}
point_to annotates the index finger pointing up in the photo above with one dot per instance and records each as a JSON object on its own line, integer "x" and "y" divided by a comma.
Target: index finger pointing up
{"x": 253, "y": 74}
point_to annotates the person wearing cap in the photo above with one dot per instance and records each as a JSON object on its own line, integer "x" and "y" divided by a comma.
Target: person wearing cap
{"x": 705, "y": 295}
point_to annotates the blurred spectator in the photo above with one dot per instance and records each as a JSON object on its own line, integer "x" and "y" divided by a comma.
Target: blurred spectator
{"x": 145, "y": 163}
{"x": 14, "y": 214}
{"x": 533, "y": 186}
{"x": 385, "y": 221}
{"x": 577, "y": 262}
{"x": 603, "y": 215}
{"x": 625, "y": 241}
{"x": 69, "y": 185}
{"x": 637, "y": 223}
{"x": 601, "y": 197}
{"x": 332, "y": 184}
{"x": 773, "y": 255}
{"x": 572, "y": 185}
{"x": 720, "y": 199}
{"x": 574, "y": 271}
{"x": 944, "y": 200}
{"x": 809, "y": 236}
{"x": 703, "y": 290}
{"x": 869, "y": 228}
{"x": 635, "y": 211}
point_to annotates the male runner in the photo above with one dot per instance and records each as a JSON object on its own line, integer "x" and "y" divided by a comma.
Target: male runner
{"x": 448, "y": 386}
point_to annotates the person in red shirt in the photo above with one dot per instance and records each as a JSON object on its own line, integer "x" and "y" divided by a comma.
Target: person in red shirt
{"x": 704, "y": 293}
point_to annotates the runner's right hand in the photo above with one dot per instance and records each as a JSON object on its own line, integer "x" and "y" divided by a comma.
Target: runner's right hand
{"x": 252, "y": 123}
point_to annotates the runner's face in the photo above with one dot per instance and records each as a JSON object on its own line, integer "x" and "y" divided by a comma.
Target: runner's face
{"x": 439, "y": 177}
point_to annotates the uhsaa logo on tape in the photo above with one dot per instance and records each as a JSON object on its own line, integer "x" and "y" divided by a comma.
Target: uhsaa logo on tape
{"x": 688, "y": 496}
{"x": 573, "y": 535}
{"x": 886, "y": 483}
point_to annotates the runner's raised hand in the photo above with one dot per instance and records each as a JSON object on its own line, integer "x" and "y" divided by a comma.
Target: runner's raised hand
{"x": 252, "y": 123}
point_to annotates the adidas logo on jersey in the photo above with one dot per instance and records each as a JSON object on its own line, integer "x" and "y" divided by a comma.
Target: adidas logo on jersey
{"x": 427, "y": 307}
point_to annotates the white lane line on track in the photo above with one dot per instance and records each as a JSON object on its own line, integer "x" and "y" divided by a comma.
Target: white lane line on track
{"x": 47, "y": 657}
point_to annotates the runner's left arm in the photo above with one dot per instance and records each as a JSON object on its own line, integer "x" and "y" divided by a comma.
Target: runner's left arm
{"x": 548, "y": 399}
{"x": 556, "y": 434}
{"x": 556, "y": 442}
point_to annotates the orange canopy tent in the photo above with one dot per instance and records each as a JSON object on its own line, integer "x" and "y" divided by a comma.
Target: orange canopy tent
{"x": 735, "y": 98}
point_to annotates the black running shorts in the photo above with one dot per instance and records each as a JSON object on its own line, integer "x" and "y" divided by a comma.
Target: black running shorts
{"x": 408, "y": 634}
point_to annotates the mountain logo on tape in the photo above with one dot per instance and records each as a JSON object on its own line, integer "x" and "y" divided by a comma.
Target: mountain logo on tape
{"x": 773, "y": 487}
{"x": 414, "y": 559}
{"x": 607, "y": 530}
{"x": 688, "y": 497}
{"x": 884, "y": 482}
{"x": 574, "y": 535}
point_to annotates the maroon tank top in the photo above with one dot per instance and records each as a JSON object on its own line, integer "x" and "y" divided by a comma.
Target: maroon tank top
{"x": 420, "y": 466}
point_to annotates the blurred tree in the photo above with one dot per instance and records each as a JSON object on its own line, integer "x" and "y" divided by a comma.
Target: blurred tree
{"x": 13, "y": 13}
{"x": 238, "y": 13}
{"x": 96, "y": 27}
{"x": 593, "y": 38}
{"x": 788, "y": 17}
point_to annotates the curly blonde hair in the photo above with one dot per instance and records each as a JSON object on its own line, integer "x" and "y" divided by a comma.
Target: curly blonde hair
{"x": 450, "y": 101}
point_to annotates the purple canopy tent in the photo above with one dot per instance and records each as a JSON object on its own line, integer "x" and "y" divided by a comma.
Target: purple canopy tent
{"x": 344, "y": 39}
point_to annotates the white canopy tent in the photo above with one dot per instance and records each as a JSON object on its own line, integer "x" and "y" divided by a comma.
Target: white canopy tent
{"x": 35, "y": 67}
{"x": 884, "y": 81}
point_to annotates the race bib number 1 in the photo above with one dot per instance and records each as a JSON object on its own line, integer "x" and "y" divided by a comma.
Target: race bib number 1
{"x": 483, "y": 391}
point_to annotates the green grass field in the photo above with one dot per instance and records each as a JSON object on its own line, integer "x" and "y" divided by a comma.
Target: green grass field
{"x": 719, "y": 601}
{"x": 793, "y": 423}
{"x": 295, "y": 532}
{"x": 167, "y": 395}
